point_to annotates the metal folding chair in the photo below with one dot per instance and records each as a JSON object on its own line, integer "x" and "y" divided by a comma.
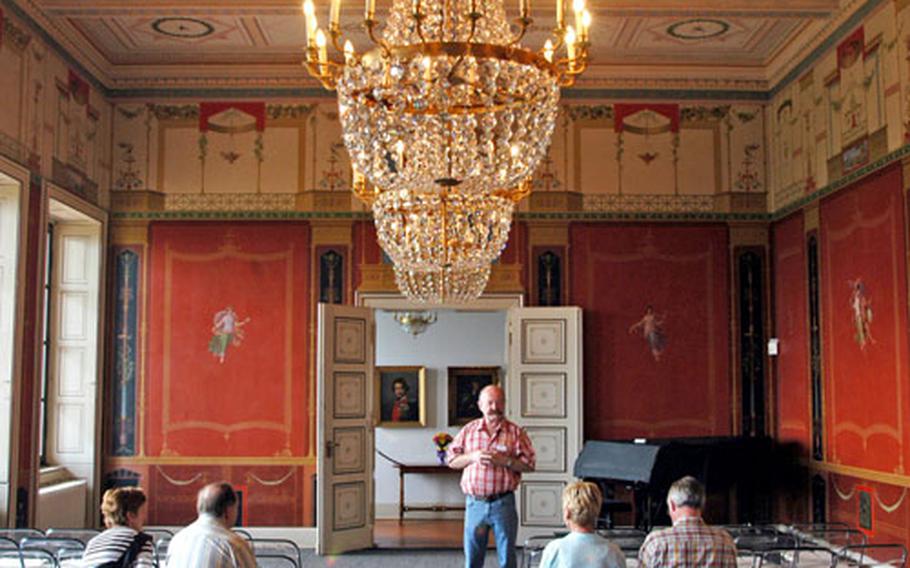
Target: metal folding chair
{"x": 276, "y": 547}
{"x": 865, "y": 555}
{"x": 276, "y": 561}
{"x": 83, "y": 535}
{"x": 533, "y": 550}
{"x": 51, "y": 544}
{"x": 795, "y": 557}
{"x": 19, "y": 534}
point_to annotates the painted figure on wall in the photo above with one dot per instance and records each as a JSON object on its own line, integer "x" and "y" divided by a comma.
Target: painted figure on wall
{"x": 227, "y": 329}
{"x": 403, "y": 408}
{"x": 651, "y": 329}
{"x": 861, "y": 306}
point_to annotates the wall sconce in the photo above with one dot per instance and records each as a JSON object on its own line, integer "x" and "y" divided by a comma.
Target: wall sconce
{"x": 414, "y": 323}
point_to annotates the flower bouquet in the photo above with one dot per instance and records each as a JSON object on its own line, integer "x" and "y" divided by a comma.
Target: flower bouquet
{"x": 442, "y": 441}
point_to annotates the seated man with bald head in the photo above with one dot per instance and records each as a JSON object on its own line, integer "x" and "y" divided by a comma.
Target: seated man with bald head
{"x": 209, "y": 542}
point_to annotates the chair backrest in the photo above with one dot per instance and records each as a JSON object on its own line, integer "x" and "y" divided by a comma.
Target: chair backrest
{"x": 51, "y": 544}
{"x": 276, "y": 546}
{"x": 628, "y": 539}
{"x": 861, "y": 555}
{"x": 161, "y": 546}
{"x": 244, "y": 533}
{"x": 83, "y": 535}
{"x": 10, "y": 557}
{"x": 808, "y": 527}
{"x": 533, "y": 550}
{"x": 36, "y": 558}
{"x": 19, "y": 534}
{"x": 792, "y": 557}
{"x": 8, "y": 544}
{"x": 276, "y": 561}
{"x": 765, "y": 541}
{"x": 158, "y": 534}
{"x": 70, "y": 558}
{"x": 833, "y": 538}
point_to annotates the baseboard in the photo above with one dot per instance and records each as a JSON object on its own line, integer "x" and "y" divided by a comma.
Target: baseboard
{"x": 390, "y": 511}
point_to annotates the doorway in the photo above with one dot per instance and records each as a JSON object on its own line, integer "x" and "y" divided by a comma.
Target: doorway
{"x": 543, "y": 383}
{"x": 10, "y": 242}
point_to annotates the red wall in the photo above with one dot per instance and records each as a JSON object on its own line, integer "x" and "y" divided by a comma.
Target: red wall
{"x": 682, "y": 271}
{"x": 245, "y": 419}
{"x": 866, "y": 392}
{"x": 791, "y": 317}
{"x": 866, "y": 397}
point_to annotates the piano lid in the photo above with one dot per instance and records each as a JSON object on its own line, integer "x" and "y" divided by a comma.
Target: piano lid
{"x": 621, "y": 461}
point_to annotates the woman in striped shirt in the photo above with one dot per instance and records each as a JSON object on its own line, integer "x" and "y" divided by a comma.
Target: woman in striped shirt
{"x": 124, "y": 515}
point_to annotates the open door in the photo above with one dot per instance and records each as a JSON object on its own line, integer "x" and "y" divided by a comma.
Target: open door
{"x": 544, "y": 395}
{"x": 344, "y": 457}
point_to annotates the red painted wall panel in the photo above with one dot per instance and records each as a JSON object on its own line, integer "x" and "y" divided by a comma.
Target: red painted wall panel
{"x": 866, "y": 392}
{"x": 791, "y": 315}
{"x": 890, "y": 507}
{"x": 682, "y": 271}
{"x": 253, "y": 402}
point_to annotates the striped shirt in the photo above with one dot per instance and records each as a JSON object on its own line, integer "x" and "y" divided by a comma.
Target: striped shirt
{"x": 482, "y": 480}
{"x": 689, "y": 543}
{"x": 207, "y": 544}
{"x": 110, "y": 546}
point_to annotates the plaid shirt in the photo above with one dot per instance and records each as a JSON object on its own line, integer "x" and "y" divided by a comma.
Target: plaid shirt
{"x": 690, "y": 543}
{"x": 482, "y": 480}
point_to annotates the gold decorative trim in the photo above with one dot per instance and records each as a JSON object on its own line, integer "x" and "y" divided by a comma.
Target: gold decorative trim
{"x": 129, "y": 232}
{"x": 895, "y": 479}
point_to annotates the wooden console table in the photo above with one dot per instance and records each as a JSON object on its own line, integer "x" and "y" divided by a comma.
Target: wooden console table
{"x": 404, "y": 469}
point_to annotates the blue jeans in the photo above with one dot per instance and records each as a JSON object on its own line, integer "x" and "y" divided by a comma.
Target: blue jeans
{"x": 480, "y": 516}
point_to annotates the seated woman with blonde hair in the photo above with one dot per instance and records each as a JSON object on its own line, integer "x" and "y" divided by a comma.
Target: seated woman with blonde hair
{"x": 123, "y": 544}
{"x": 582, "y": 547}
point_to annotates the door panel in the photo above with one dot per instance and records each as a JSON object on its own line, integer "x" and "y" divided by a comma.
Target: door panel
{"x": 544, "y": 395}
{"x": 344, "y": 501}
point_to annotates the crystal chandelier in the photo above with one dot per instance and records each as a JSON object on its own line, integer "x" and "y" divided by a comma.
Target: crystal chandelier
{"x": 414, "y": 323}
{"x": 446, "y": 116}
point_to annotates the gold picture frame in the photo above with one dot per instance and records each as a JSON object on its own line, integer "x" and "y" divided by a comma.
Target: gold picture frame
{"x": 465, "y": 384}
{"x": 407, "y": 385}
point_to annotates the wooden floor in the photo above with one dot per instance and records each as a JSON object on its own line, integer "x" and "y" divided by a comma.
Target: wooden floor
{"x": 419, "y": 533}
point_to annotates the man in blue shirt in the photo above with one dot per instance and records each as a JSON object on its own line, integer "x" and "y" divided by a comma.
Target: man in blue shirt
{"x": 582, "y": 547}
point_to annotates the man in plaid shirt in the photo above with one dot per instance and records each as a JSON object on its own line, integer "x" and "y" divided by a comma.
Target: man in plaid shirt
{"x": 493, "y": 452}
{"x": 689, "y": 543}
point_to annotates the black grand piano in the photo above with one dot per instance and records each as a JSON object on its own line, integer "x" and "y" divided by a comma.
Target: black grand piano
{"x": 739, "y": 474}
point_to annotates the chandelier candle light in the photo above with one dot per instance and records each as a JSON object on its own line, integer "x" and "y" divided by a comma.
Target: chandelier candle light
{"x": 446, "y": 115}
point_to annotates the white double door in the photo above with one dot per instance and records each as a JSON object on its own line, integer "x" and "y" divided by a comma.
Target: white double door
{"x": 543, "y": 394}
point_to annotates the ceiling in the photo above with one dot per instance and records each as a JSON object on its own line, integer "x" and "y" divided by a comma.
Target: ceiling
{"x": 723, "y": 44}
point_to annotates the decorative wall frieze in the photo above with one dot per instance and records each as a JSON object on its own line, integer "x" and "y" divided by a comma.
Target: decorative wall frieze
{"x": 276, "y": 112}
{"x": 175, "y": 112}
{"x": 687, "y": 114}
{"x": 12, "y": 148}
{"x": 229, "y": 202}
{"x": 649, "y": 203}
{"x": 14, "y": 36}
{"x": 191, "y": 111}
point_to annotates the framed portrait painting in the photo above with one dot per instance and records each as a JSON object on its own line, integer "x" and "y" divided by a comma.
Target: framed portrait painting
{"x": 401, "y": 397}
{"x": 465, "y": 384}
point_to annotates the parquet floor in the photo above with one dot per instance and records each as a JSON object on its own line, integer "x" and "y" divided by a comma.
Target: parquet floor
{"x": 419, "y": 533}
